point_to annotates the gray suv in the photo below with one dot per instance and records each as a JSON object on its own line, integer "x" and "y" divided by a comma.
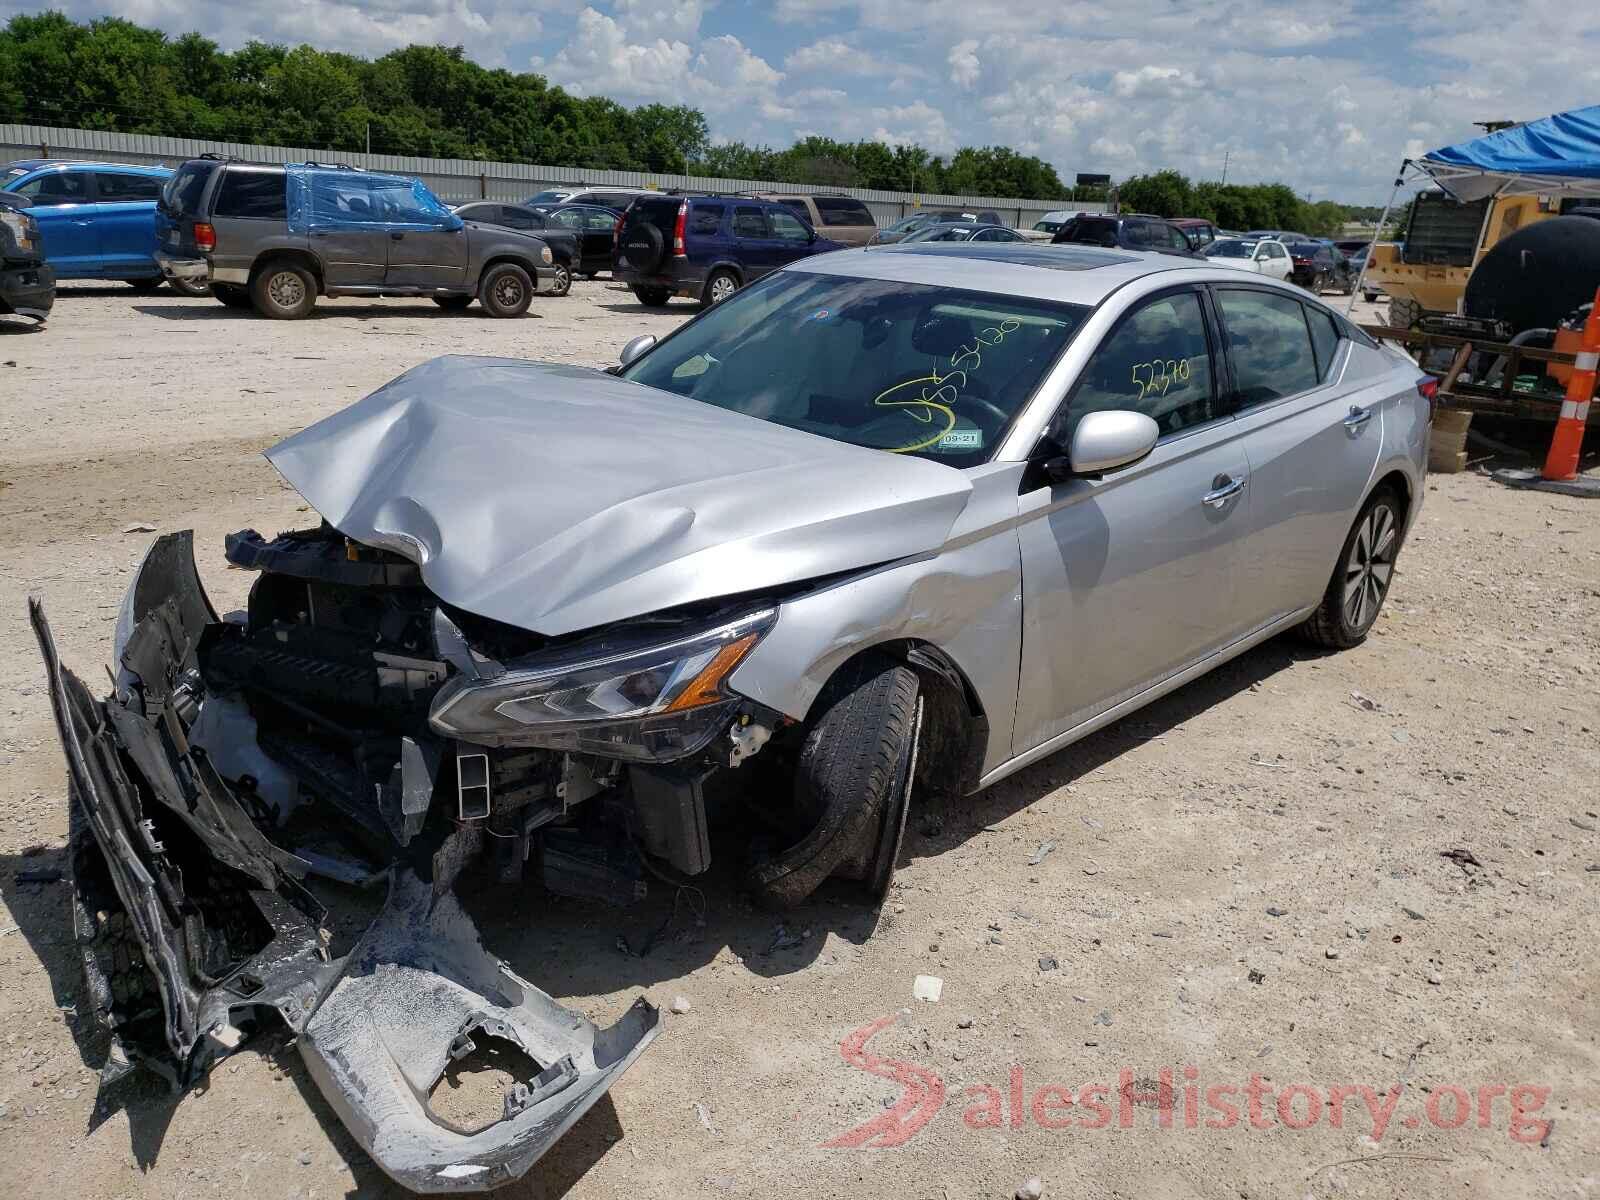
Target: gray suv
{"x": 274, "y": 237}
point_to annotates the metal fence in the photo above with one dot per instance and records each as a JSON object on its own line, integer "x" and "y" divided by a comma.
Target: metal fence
{"x": 458, "y": 179}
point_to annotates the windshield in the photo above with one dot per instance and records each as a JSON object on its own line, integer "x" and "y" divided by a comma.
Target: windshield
{"x": 1306, "y": 249}
{"x": 12, "y": 174}
{"x": 908, "y": 368}
{"x": 1229, "y": 248}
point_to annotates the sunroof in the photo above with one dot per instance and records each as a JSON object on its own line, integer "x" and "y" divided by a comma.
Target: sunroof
{"x": 1022, "y": 254}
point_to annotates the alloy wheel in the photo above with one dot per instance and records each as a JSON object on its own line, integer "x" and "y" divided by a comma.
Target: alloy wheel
{"x": 508, "y": 291}
{"x": 287, "y": 289}
{"x": 721, "y": 288}
{"x": 1368, "y": 569}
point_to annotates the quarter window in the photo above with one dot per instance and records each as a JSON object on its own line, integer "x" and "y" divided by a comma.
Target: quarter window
{"x": 1324, "y": 338}
{"x": 126, "y": 189}
{"x": 842, "y": 210}
{"x": 1156, "y": 361}
{"x": 252, "y": 194}
{"x": 1270, "y": 345}
{"x": 706, "y": 219}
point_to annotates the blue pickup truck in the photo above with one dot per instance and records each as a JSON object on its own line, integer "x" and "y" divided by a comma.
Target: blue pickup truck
{"x": 97, "y": 220}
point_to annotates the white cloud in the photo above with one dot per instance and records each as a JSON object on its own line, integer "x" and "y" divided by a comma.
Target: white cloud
{"x": 964, "y": 65}
{"x": 660, "y": 18}
{"x": 835, "y": 56}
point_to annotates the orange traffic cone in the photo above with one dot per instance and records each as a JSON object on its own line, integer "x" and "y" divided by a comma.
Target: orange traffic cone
{"x": 1562, "y": 461}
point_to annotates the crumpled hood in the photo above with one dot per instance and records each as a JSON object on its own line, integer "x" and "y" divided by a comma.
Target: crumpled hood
{"x": 558, "y": 498}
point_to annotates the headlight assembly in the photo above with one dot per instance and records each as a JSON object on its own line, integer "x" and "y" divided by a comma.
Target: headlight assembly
{"x": 546, "y": 257}
{"x": 652, "y": 704}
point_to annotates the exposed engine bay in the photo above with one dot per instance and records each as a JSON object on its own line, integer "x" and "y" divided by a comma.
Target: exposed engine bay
{"x": 350, "y": 729}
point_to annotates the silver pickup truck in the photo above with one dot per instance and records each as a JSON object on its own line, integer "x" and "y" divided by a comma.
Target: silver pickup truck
{"x": 274, "y": 237}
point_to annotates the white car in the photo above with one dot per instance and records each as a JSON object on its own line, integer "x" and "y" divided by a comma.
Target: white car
{"x": 1264, "y": 256}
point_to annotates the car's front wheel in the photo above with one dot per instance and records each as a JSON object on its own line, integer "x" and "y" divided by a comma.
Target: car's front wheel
{"x": 852, "y": 783}
{"x": 284, "y": 291}
{"x": 1361, "y": 579}
{"x": 506, "y": 290}
{"x": 563, "y": 280}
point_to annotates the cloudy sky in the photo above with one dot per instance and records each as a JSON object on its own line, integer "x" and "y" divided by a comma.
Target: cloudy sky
{"x": 1327, "y": 95}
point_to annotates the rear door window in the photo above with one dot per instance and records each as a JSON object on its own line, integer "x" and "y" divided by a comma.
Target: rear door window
{"x": 253, "y": 194}
{"x": 115, "y": 187}
{"x": 842, "y": 210}
{"x": 750, "y": 222}
{"x": 514, "y": 216}
{"x": 1270, "y": 345}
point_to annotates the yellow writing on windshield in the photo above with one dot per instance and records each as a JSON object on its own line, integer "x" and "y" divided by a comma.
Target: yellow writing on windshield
{"x": 939, "y": 392}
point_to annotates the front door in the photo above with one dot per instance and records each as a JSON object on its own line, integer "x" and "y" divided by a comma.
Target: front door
{"x": 791, "y": 236}
{"x": 63, "y": 205}
{"x": 1313, "y": 445}
{"x": 1129, "y": 578}
{"x": 427, "y": 242}
{"x": 753, "y": 242}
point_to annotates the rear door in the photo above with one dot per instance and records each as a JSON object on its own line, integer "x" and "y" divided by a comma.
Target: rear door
{"x": 249, "y": 205}
{"x": 126, "y": 216}
{"x": 63, "y": 205}
{"x": 599, "y": 227}
{"x": 753, "y": 242}
{"x": 1313, "y": 446}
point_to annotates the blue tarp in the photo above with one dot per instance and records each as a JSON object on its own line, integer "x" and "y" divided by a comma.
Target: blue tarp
{"x": 1556, "y": 155}
{"x": 329, "y": 199}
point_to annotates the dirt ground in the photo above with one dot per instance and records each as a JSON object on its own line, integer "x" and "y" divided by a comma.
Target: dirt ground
{"x": 1247, "y": 879}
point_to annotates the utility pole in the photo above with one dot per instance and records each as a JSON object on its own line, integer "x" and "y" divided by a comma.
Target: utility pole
{"x": 369, "y": 137}
{"x": 1225, "y": 155}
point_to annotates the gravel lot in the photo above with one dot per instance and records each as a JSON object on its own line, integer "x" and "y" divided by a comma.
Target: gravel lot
{"x": 1247, "y": 878}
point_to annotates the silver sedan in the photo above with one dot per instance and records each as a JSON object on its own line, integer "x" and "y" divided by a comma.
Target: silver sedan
{"x": 885, "y": 519}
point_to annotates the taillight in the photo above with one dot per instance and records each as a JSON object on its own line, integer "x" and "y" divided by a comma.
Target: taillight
{"x": 616, "y": 234}
{"x": 678, "y": 228}
{"x": 1428, "y": 388}
{"x": 205, "y": 237}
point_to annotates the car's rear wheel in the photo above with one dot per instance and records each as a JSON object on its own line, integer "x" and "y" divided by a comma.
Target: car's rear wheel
{"x": 191, "y": 287}
{"x": 453, "y": 303}
{"x": 1360, "y": 581}
{"x": 506, "y": 291}
{"x": 231, "y": 294}
{"x": 655, "y": 297}
{"x": 718, "y": 287}
{"x": 852, "y": 782}
{"x": 284, "y": 291}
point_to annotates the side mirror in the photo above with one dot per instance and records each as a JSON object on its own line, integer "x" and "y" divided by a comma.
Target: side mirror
{"x": 1110, "y": 439}
{"x": 634, "y": 347}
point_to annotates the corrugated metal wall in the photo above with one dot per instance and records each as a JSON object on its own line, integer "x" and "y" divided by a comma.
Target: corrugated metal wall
{"x": 457, "y": 179}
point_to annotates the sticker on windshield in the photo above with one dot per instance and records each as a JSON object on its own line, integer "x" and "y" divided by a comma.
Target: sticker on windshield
{"x": 961, "y": 439}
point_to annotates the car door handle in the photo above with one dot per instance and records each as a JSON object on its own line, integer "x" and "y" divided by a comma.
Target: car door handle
{"x": 1222, "y": 490}
{"x": 1357, "y": 418}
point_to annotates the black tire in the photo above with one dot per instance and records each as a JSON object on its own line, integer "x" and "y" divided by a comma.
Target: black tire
{"x": 1403, "y": 314}
{"x": 1370, "y": 297}
{"x": 1366, "y": 564}
{"x": 145, "y": 286}
{"x": 654, "y": 297}
{"x": 643, "y": 246}
{"x": 232, "y": 295}
{"x": 190, "y": 287}
{"x": 563, "y": 283}
{"x": 505, "y": 291}
{"x": 454, "y": 303}
{"x": 854, "y": 766}
{"x": 283, "y": 290}
{"x": 718, "y": 287}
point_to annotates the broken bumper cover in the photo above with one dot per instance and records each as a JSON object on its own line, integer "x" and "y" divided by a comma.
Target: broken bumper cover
{"x": 28, "y": 290}
{"x": 186, "y": 270}
{"x": 230, "y": 936}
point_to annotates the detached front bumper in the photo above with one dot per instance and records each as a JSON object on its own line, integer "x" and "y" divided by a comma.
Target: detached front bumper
{"x": 27, "y": 291}
{"x": 167, "y": 856}
{"x": 184, "y": 270}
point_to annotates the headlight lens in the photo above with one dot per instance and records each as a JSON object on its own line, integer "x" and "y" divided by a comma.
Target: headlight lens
{"x": 21, "y": 227}
{"x": 651, "y": 704}
{"x": 546, "y": 256}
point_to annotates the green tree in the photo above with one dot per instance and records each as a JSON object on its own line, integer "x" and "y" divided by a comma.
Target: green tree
{"x": 1164, "y": 194}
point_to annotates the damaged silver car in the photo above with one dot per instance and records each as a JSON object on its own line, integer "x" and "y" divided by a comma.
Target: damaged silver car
{"x": 888, "y": 520}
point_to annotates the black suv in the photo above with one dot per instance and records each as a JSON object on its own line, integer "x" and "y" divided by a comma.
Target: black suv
{"x": 707, "y": 247}
{"x": 275, "y": 236}
{"x": 1125, "y": 231}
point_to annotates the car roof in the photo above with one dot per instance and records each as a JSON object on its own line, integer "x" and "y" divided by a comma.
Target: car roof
{"x": 1074, "y": 274}
{"x": 34, "y": 164}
